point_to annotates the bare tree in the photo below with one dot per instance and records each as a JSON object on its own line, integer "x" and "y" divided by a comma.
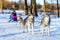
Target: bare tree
{"x": 44, "y": 6}
{"x": 26, "y": 7}
{"x": 31, "y": 7}
{"x": 34, "y": 7}
{"x": 58, "y": 8}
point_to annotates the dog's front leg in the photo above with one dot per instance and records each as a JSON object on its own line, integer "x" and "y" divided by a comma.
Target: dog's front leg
{"x": 48, "y": 30}
{"x": 19, "y": 25}
{"x": 23, "y": 27}
{"x": 32, "y": 28}
{"x": 42, "y": 29}
{"x": 28, "y": 28}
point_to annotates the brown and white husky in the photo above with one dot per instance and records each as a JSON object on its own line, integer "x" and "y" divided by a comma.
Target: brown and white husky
{"x": 45, "y": 22}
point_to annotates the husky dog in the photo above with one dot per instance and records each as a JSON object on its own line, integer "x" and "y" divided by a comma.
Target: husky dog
{"x": 29, "y": 22}
{"x": 45, "y": 22}
{"x": 20, "y": 21}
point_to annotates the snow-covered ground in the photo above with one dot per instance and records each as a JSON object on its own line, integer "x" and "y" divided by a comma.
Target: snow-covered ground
{"x": 11, "y": 31}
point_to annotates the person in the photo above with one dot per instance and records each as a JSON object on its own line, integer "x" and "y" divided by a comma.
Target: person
{"x": 13, "y": 16}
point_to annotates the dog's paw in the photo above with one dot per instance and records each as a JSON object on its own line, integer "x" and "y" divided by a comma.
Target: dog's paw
{"x": 23, "y": 31}
{"x": 40, "y": 32}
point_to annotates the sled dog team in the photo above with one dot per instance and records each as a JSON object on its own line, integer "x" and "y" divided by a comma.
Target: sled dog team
{"x": 29, "y": 23}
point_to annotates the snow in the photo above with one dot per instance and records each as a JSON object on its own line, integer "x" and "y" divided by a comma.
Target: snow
{"x": 12, "y": 31}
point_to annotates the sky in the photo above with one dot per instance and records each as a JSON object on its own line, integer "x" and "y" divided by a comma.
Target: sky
{"x": 38, "y": 1}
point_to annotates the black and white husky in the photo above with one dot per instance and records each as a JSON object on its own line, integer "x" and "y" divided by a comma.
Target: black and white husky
{"x": 45, "y": 22}
{"x": 27, "y": 22}
{"x": 20, "y": 21}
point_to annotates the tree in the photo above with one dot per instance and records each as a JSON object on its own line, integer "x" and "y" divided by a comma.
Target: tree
{"x": 44, "y": 6}
{"x": 34, "y": 7}
{"x": 0, "y": 4}
{"x": 26, "y": 7}
{"x": 58, "y": 8}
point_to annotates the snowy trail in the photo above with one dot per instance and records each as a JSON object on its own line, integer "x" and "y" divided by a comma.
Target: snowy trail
{"x": 11, "y": 31}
